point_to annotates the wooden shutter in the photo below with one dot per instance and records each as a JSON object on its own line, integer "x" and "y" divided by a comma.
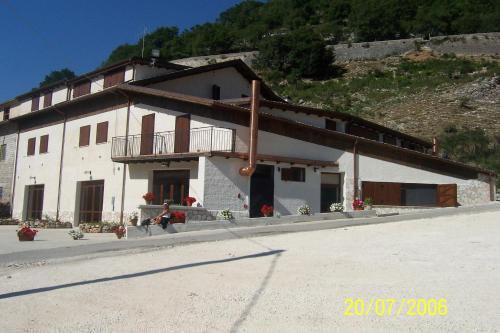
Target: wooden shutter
{"x": 102, "y": 133}
{"x": 447, "y": 195}
{"x": 35, "y": 103}
{"x": 147, "y": 134}
{"x": 6, "y": 114}
{"x": 84, "y": 136}
{"x": 44, "y": 144}
{"x": 114, "y": 78}
{"x": 331, "y": 125}
{"x": 31, "y": 146}
{"x": 382, "y": 193}
{"x": 81, "y": 89}
{"x": 182, "y": 131}
{"x": 47, "y": 99}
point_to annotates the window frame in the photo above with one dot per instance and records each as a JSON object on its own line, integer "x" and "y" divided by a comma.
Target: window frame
{"x": 293, "y": 174}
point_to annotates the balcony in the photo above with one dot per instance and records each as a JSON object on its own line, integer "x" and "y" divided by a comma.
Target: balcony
{"x": 172, "y": 145}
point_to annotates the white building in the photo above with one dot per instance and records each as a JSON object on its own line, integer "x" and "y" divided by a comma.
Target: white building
{"x": 89, "y": 149}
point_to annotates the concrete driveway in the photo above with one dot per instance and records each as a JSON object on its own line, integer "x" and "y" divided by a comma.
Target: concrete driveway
{"x": 280, "y": 283}
{"x": 46, "y": 239}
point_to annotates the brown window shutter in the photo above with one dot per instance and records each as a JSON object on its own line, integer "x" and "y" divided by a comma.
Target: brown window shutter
{"x": 31, "y": 146}
{"x": 447, "y": 195}
{"x": 81, "y": 89}
{"x": 114, "y": 78}
{"x": 47, "y": 99}
{"x": 102, "y": 133}
{"x": 44, "y": 144}
{"x": 84, "y": 136}
{"x": 331, "y": 125}
{"x": 35, "y": 103}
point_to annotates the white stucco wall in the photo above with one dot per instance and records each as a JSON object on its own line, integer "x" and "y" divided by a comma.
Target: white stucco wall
{"x": 303, "y": 118}
{"x": 59, "y": 95}
{"x": 145, "y": 72}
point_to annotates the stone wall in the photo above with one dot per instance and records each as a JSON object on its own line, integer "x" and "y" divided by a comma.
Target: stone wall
{"x": 192, "y": 213}
{"x": 8, "y": 136}
{"x": 474, "y": 191}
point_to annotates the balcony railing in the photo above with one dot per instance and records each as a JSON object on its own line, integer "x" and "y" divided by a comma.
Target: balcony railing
{"x": 204, "y": 139}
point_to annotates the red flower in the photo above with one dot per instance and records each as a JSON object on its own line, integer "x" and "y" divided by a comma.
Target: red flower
{"x": 189, "y": 201}
{"x": 358, "y": 204}
{"x": 149, "y": 196}
{"x": 266, "y": 210}
{"x": 178, "y": 215}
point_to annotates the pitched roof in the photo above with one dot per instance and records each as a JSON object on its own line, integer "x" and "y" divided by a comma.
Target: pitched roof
{"x": 237, "y": 64}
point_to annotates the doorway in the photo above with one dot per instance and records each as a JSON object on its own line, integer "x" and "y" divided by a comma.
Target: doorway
{"x": 182, "y": 129}
{"x": 330, "y": 190}
{"x": 91, "y": 199}
{"x": 35, "y": 202}
{"x": 170, "y": 185}
{"x": 261, "y": 189}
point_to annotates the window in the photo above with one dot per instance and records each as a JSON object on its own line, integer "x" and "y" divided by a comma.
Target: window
{"x": 293, "y": 174}
{"x": 44, "y": 144}
{"x": 102, "y": 133}
{"x": 3, "y": 152}
{"x": 390, "y": 139}
{"x": 35, "y": 103}
{"x": 6, "y": 114}
{"x": 47, "y": 99}
{"x": 80, "y": 89}
{"x": 114, "y": 78}
{"x": 31, "y": 146}
{"x": 84, "y": 136}
{"x": 215, "y": 92}
{"x": 1, "y": 193}
{"x": 331, "y": 125}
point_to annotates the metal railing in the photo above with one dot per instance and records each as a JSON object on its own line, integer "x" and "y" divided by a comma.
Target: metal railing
{"x": 204, "y": 139}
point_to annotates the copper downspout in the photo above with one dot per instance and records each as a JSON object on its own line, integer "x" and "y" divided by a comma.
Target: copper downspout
{"x": 13, "y": 191}
{"x": 61, "y": 159}
{"x": 355, "y": 171}
{"x": 434, "y": 146}
{"x": 254, "y": 130}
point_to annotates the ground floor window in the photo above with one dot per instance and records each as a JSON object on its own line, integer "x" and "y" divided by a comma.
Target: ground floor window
{"x": 91, "y": 200}
{"x": 331, "y": 190}
{"x": 34, "y": 206}
{"x": 170, "y": 185}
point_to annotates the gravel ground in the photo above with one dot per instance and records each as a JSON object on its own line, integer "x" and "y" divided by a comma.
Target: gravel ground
{"x": 290, "y": 282}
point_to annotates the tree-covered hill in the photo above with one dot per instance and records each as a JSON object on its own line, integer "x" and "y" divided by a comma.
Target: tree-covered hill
{"x": 244, "y": 26}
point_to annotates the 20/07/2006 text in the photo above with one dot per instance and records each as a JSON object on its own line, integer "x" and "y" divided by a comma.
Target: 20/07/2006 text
{"x": 393, "y": 307}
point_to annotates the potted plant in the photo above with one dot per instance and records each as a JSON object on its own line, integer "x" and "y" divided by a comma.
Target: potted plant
{"x": 26, "y": 233}
{"x": 358, "y": 204}
{"x": 336, "y": 207}
{"x": 134, "y": 217}
{"x": 76, "y": 234}
{"x": 226, "y": 214}
{"x": 149, "y": 197}
{"x": 119, "y": 231}
{"x": 304, "y": 210}
{"x": 266, "y": 210}
{"x": 189, "y": 201}
{"x": 177, "y": 217}
{"x": 368, "y": 203}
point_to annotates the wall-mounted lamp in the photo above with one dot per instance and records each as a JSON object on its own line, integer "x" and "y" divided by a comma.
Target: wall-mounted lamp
{"x": 88, "y": 172}
{"x": 34, "y": 179}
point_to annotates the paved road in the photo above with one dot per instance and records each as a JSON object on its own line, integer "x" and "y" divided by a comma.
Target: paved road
{"x": 295, "y": 282}
{"x": 56, "y": 244}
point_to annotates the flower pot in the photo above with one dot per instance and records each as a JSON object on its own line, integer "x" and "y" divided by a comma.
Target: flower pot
{"x": 358, "y": 208}
{"x": 368, "y": 207}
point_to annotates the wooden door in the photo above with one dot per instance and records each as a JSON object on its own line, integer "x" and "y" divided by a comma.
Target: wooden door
{"x": 147, "y": 134}
{"x": 382, "y": 193}
{"x": 91, "y": 199}
{"x": 170, "y": 185}
{"x": 35, "y": 202}
{"x": 447, "y": 195}
{"x": 182, "y": 128}
{"x": 261, "y": 189}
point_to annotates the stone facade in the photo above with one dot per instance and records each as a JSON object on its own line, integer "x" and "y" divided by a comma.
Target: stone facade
{"x": 192, "y": 213}
{"x": 474, "y": 191}
{"x": 8, "y": 137}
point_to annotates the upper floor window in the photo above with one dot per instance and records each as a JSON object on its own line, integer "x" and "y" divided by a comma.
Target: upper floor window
{"x": 6, "y": 114}
{"x": 330, "y": 125}
{"x": 44, "y": 144}
{"x": 47, "y": 99}
{"x": 3, "y": 152}
{"x": 293, "y": 174}
{"x": 113, "y": 78}
{"x": 31, "y": 146}
{"x": 80, "y": 89}
{"x": 35, "y": 103}
{"x": 102, "y": 133}
{"x": 84, "y": 136}
{"x": 215, "y": 92}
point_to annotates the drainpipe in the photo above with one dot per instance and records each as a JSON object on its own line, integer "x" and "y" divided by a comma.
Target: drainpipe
{"x": 125, "y": 165}
{"x": 355, "y": 171}
{"x": 13, "y": 191}
{"x": 254, "y": 130}
{"x": 61, "y": 165}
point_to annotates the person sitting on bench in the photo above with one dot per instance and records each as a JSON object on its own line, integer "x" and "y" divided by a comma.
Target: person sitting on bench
{"x": 164, "y": 217}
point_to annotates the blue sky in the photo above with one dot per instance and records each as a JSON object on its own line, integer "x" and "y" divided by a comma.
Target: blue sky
{"x": 40, "y": 36}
